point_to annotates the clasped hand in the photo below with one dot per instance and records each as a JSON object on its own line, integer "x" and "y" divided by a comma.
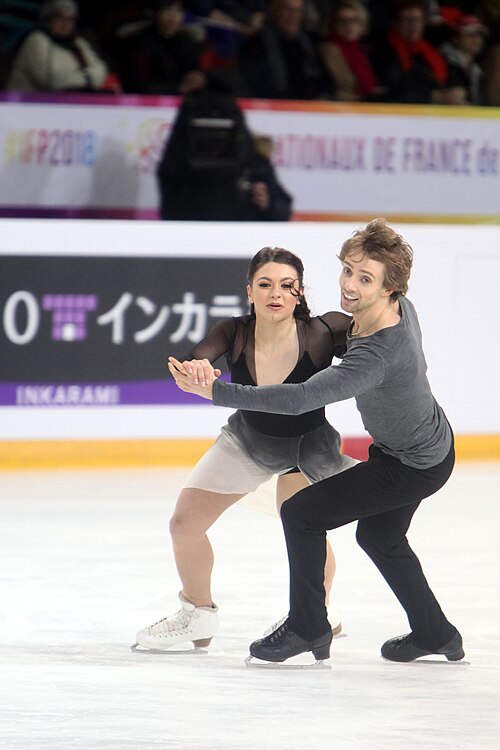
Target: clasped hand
{"x": 194, "y": 376}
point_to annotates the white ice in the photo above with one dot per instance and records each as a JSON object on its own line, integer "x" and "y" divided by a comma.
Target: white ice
{"x": 86, "y": 562}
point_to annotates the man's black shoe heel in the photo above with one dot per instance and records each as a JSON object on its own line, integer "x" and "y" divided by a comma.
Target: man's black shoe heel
{"x": 322, "y": 650}
{"x": 455, "y": 655}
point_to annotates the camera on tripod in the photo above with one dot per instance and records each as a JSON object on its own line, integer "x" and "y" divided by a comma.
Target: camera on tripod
{"x": 213, "y": 144}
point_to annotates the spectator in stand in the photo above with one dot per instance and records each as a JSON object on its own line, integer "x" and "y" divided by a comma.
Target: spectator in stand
{"x": 411, "y": 68}
{"x": 281, "y": 61}
{"x": 345, "y": 56}
{"x": 164, "y": 57}
{"x": 461, "y": 52}
{"x": 381, "y": 13}
{"x": 54, "y": 57}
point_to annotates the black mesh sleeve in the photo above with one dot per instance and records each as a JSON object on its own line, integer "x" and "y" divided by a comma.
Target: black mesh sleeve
{"x": 323, "y": 348}
{"x": 217, "y": 343}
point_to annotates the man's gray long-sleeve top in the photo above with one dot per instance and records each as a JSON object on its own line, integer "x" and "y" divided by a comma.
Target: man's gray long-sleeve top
{"x": 386, "y": 374}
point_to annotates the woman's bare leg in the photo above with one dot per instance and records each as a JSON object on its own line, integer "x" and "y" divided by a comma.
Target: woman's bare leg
{"x": 196, "y": 510}
{"x": 288, "y": 485}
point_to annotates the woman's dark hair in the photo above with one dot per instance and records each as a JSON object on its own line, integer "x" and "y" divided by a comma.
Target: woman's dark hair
{"x": 280, "y": 255}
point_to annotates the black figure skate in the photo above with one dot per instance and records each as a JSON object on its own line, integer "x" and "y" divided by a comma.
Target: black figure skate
{"x": 404, "y": 649}
{"x": 283, "y": 644}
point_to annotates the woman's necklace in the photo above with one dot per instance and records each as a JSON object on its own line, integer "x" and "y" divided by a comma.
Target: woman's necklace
{"x": 368, "y": 328}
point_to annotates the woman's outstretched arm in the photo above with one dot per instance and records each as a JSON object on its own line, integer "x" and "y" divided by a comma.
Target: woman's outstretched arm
{"x": 361, "y": 370}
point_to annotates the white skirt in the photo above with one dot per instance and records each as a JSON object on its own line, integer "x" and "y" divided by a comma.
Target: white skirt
{"x": 242, "y": 459}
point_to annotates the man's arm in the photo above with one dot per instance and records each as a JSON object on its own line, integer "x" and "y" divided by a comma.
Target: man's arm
{"x": 362, "y": 369}
{"x": 356, "y": 374}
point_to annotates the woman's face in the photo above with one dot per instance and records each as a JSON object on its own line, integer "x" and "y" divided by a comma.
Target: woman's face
{"x": 62, "y": 25}
{"x": 274, "y": 292}
{"x": 349, "y": 25}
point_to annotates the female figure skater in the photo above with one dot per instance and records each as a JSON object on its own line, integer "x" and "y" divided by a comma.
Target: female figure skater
{"x": 278, "y": 342}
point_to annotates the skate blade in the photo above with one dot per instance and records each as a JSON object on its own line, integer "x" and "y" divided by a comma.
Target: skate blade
{"x": 460, "y": 662}
{"x": 136, "y": 648}
{"x": 424, "y": 660}
{"x": 253, "y": 663}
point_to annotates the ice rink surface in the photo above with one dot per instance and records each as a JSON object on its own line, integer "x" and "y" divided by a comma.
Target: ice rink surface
{"x": 86, "y": 562}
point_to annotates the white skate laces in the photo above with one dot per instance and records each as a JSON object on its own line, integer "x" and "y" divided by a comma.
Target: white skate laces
{"x": 190, "y": 624}
{"x": 181, "y": 620}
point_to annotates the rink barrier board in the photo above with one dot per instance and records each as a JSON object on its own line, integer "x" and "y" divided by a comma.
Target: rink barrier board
{"x": 388, "y": 160}
{"x": 73, "y": 454}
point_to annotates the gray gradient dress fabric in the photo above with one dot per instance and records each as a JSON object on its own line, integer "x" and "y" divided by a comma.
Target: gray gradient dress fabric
{"x": 250, "y": 451}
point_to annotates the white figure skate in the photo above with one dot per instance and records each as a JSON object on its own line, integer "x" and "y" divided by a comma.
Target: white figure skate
{"x": 196, "y": 625}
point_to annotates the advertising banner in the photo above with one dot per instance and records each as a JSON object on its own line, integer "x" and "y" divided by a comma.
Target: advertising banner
{"x": 96, "y": 331}
{"x": 82, "y": 156}
{"x": 87, "y": 320}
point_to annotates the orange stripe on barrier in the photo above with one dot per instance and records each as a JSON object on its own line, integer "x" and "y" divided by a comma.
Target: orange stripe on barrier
{"x": 477, "y": 447}
{"x": 73, "y": 454}
{"x": 472, "y": 219}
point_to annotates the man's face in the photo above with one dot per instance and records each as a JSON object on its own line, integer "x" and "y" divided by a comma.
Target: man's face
{"x": 169, "y": 20}
{"x": 287, "y": 15}
{"x": 470, "y": 41}
{"x": 362, "y": 282}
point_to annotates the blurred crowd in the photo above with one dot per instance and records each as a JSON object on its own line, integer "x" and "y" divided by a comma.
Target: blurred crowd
{"x": 401, "y": 51}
